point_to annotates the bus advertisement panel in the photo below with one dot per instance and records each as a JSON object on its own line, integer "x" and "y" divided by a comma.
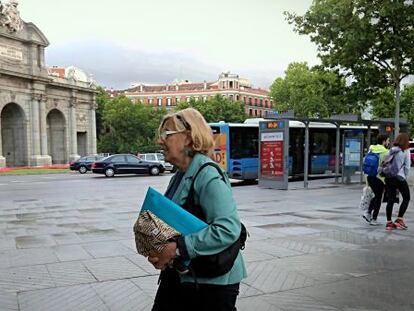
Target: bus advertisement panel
{"x": 220, "y": 150}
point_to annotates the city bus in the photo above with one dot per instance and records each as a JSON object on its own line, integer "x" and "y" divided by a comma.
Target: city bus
{"x": 237, "y": 147}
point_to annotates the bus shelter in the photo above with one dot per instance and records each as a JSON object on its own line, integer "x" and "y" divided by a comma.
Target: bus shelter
{"x": 352, "y": 146}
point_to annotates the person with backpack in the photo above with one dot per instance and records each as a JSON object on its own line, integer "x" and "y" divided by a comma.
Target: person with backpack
{"x": 203, "y": 270}
{"x": 396, "y": 168}
{"x": 372, "y": 161}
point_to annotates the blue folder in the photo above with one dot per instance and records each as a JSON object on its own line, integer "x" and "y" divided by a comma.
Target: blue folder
{"x": 171, "y": 213}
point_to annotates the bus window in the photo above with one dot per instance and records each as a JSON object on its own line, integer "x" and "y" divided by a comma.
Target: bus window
{"x": 323, "y": 142}
{"x": 244, "y": 142}
{"x": 215, "y": 129}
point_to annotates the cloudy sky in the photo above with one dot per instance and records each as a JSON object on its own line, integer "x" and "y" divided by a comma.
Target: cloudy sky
{"x": 129, "y": 41}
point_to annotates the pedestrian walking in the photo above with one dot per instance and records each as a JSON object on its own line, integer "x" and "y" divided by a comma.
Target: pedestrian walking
{"x": 375, "y": 181}
{"x": 187, "y": 140}
{"x": 396, "y": 168}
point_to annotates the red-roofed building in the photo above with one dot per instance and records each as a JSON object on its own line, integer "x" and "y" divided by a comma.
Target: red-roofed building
{"x": 257, "y": 101}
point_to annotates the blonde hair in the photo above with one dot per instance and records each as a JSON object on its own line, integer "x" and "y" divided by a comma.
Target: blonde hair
{"x": 192, "y": 120}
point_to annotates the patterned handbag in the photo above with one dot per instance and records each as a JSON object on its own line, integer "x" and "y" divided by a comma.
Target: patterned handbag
{"x": 152, "y": 234}
{"x": 367, "y": 196}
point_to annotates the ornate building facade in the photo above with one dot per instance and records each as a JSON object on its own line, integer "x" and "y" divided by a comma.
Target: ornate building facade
{"x": 44, "y": 118}
{"x": 257, "y": 101}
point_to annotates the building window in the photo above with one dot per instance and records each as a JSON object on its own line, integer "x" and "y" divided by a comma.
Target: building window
{"x": 255, "y": 101}
{"x": 231, "y": 84}
{"x": 169, "y": 101}
{"x": 177, "y": 100}
{"x": 261, "y": 102}
{"x": 250, "y": 112}
{"x": 159, "y": 101}
{"x": 150, "y": 100}
{"x": 231, "y": 97}
{"x": 204, "y": 98}
{"x": 237, "y": 97}
{"x": 266, "y": 103}
{"x": 250, "y": 101}
{"x": 188, "y": 99}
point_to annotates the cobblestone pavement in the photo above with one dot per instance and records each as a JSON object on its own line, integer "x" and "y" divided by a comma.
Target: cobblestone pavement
{"x": 66, "y": 244}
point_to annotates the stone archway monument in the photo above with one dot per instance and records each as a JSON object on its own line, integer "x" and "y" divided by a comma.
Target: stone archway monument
{"x": 41, "y": 114}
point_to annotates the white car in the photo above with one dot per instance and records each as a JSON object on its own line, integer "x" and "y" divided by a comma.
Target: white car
{"x": 157, "y": 158}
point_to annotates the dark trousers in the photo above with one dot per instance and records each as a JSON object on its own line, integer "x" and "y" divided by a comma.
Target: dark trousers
{"x": 393, "y": 184}
{"x": 377, "y": 187}
{"x": 173, "y": 295}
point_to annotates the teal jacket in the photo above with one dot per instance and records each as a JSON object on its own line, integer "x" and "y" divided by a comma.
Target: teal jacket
{"x": 215, "y": 197}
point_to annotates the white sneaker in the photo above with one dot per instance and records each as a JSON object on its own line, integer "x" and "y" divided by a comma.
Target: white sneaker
{"x": 367, "y": 217}
{"x": 374, "y": 222}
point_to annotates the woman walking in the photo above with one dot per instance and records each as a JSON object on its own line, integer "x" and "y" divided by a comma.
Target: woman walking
{"x": 187, "y": 140}
{"x": 403, "y": 162}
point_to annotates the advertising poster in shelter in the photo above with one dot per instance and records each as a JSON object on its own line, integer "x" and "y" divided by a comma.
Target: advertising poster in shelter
{"x": 271, "y": 150}
{"x": 352, "y": 152}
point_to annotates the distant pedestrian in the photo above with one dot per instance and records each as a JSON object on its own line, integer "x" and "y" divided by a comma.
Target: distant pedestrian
{"x": 375, "y": 181}
{"x": 402, "y": 162}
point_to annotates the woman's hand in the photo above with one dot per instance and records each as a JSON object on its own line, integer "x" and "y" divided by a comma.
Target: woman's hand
{"x": 162, "y": 259}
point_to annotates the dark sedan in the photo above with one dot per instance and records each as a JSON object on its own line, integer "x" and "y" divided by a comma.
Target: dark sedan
{"x": 126, "y": 164}
{"x": 83, "y": 164}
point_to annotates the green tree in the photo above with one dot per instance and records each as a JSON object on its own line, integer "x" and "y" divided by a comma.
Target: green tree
{"x": 218, "y": 108}
{"x": 310, "y": 92}
{"x": 129, "y": 127}
{"x": 383, "y": 104}
{"x": 370, "y": 40}
{"x": 102, "y": 98}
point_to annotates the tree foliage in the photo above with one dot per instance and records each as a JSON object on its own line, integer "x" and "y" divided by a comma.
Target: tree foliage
{"x": 129, "y": 127}
{"x": 217, "y": 109}
{"x": 383, "y": 104}
{"x": 102, "y": 98}
{"x": 310, "y": 92}
{"x": 370, "y": 40}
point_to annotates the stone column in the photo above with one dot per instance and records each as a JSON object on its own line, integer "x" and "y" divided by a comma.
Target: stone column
{"x": 46, "y": 158}
{"x": 73, "y": 133}
{"x": 38, "y": 157}
{"x": 35, "y": 154}
{"x": 43, "y": 133}
{"x": 92, "y": 127}
{"x": 2, "y": 159}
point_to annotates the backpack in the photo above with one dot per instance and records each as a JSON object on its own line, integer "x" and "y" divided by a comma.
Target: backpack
{"x": 210, "y": 266}
{"x": 371, "y": 163}
{"x": 390, "y": 167}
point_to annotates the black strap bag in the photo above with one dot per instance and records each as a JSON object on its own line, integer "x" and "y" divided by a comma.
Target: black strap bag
{"x": 211, "y": 266}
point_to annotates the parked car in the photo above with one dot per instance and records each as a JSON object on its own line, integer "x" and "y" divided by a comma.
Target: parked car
{"x": 412, "y": 152}
{"x": 126, "y": 164}
{"x": 157, "y": 158}
{"x": 84, "y": 164}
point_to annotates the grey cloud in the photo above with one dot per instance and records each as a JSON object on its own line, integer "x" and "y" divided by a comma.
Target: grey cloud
{"x": 118, "y": 67}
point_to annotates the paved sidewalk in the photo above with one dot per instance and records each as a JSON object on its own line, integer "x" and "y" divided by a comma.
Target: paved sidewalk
{"x": 308, "y": 250}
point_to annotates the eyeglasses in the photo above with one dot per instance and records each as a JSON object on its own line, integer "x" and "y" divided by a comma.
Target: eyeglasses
{"x": 165, "y": 134}
{"x": 183, "y": 121}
